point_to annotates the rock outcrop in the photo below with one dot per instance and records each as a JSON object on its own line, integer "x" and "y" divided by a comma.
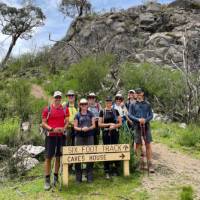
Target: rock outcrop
{"x": 153, "y": 33}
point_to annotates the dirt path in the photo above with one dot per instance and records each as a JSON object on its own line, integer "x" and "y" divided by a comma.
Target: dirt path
{"x": 173, "y": 170}
{"x": 38, "y": 92}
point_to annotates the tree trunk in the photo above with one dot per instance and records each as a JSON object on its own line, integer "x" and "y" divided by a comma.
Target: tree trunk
{"x": 12, "y": 44}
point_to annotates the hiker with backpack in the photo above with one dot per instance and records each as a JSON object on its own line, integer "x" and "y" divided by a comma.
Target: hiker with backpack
{"x": 141, "y": 114}
{"x": 95, "y": 108}
{"x": 110, "y": 122}
{"x": 55, "y": 120}
{"x": 84, "y": 124}
{"x": 132, "y": 97}
{"x": 73, "y": 109}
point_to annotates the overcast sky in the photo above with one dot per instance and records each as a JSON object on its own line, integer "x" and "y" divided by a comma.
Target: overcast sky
{"x": 55, "y": 23}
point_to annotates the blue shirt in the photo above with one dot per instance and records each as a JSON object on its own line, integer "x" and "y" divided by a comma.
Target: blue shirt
{"x": 140, "y": 110}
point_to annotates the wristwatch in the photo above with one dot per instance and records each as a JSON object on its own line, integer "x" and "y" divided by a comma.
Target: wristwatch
{"x": 51, "y": 129}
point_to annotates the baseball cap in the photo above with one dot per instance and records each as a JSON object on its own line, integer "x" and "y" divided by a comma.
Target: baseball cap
{"x": 131, "y": 91}
{"x": 92, "y": 94}
{"x": 83, "y": 101}
{"x": 70, "y": 92}
{"x": 108, "y": 98}
{"x": 57, "y": 93}
{"x": 139, "y": 90}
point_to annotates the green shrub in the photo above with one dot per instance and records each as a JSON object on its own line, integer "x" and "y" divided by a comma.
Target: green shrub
{"x": 84, "y": 77}
{"x": 36, "y": 109}
{"x": 20, "y": 93}
{"x": 189, "y": 137}
{"x": 126, "y": 137}
{"x": 165, "y": 133}
{"x": 9, "y": 129}
{"x": 164, "y": 87}
{"x": 187, "y": 193}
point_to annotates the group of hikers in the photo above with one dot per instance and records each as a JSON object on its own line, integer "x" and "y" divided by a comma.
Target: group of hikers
{"x": 81, "y": 122}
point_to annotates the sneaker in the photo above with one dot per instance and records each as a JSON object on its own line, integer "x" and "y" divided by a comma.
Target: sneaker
{"x": 55, "y": 180}
{"x": 151, "y": 168}
{"x": 47, "y": 184}
{"x": 107, "y": 176}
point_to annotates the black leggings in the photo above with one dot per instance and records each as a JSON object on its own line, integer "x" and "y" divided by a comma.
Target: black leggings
{"x": 111, "y": 138}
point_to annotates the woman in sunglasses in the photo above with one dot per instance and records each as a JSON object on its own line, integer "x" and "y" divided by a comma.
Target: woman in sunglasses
{"x": 84, "y": 124}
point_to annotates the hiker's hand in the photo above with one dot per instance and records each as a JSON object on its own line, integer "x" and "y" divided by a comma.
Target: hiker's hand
{"x": 142, "y": 121}
{"x": 112, "y": 127}
{"x": 59, "y": 130}
{"x": 111, "y": 124}
{"x": 85, "y": 129}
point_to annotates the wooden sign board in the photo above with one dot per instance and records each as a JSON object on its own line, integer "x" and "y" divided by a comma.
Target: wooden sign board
{"x": 81, "y": 158}
{"x": 95, "y": 153}
{"x": 96, "y": 149}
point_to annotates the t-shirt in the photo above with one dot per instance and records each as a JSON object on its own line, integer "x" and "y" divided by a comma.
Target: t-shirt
{"x": 110, "y": 115}
{"x": 56, "y": 117}
{"x": 121, "y": 109}
{"x": 73, "y": 111}
{"x": 84, "y": 121}
{"x": 95, "y": 109}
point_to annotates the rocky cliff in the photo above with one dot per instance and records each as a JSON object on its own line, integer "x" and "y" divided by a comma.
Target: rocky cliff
{"x": 154, "y": 33}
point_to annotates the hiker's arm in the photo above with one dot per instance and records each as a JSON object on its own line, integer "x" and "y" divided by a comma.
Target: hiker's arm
{"x": 129, "y": 120}
{"x": 76, "y": 128}
{"x": 93, "y": 124}
{"x": 119, "y": 122}
{"x": 66, "y": 122}
{"x": 101, "y": 124}
{"x": 150, "y": 115}
{"x": 45, "y": 125}
{"x": 130, "y": 114}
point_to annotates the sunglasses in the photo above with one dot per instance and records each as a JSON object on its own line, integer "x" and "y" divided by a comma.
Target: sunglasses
{"x": 71, "y": 95}
{"x": 91, "y": 97}
{"x": 118, "y": 99}
{"x": 83, "y": 104}
{"x": 58, "y": 97}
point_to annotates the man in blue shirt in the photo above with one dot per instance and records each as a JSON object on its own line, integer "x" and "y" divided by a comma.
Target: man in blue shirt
{"x": 141, "y": 114}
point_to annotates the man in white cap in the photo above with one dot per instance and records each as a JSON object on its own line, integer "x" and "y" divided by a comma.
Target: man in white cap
{"x": 94, "y": 107}
{"x": 55, "y": 120}
{"x": 132, "y": 97}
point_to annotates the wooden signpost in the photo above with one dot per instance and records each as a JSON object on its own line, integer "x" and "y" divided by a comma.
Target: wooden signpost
{"x": 95, "y": 153}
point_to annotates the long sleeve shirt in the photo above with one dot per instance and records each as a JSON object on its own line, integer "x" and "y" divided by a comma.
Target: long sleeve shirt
{"x": 140, "y": 110}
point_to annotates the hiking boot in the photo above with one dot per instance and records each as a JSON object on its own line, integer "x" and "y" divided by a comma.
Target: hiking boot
{"x": 55, "y": 180}
{"x": 107, "y": 176}
{"x": 47, "y": 184}
{"x": 151, "y": 168}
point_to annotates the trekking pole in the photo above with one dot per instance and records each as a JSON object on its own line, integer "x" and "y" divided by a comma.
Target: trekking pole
{"x": 54, "y": 161}
{"x": 142, "y": 155}
{"x": 61, "y": 170}
{"x": 145, "y": 138}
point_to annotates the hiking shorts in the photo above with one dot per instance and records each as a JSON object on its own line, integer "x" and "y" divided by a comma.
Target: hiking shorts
{"x": 53, "y": 145}
{"x": 144, "y": 134}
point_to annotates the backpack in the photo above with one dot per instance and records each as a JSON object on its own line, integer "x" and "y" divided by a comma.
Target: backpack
{"x": 88, "y": 113}
{"x": 98, "y": 107}
{"x": 113, "y": 112}
{"x": 44, "y": 131}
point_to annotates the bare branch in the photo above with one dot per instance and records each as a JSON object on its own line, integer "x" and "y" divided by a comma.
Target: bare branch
{"x": 66, "y": 43}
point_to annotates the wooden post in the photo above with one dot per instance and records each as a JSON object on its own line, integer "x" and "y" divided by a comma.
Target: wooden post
{"x": 126, "y": 167}
{"x": 65, "y": 177}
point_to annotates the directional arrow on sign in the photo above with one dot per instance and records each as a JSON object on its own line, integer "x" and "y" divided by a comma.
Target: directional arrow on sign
{"x": 125, "y": 147}
{"x": 122, "y": 156}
